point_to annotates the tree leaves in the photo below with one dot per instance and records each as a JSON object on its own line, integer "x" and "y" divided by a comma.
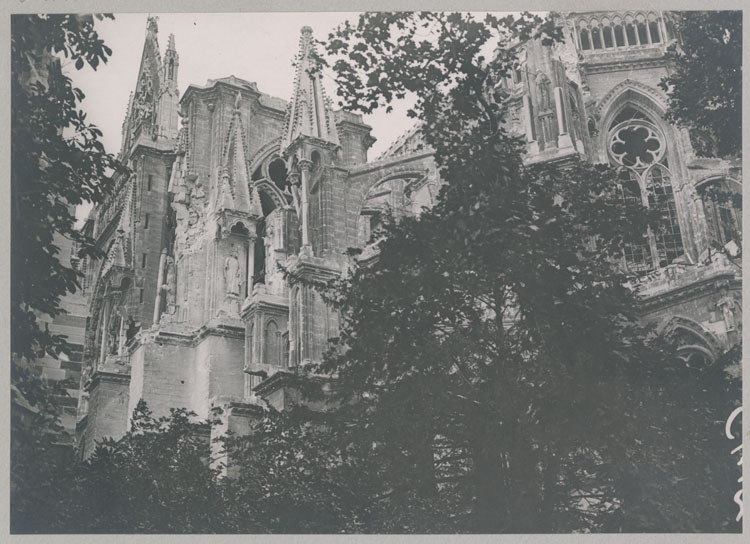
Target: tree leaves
{"x": 57, "y": 162}
{"x": 705, "y": 86}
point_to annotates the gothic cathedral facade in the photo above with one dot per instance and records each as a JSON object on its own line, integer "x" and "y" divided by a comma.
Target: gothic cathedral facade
{"x": 190, "y": 307}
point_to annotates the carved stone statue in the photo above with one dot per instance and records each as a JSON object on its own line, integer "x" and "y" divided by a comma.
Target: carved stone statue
{"x": 113, "y": 335}
{"x": 232, "y": 273}
{"x": 170, "y": 287}
{"x": 727, "y": 305}
{"x": 543, "y": 87}
{"x": 294, "y": 187}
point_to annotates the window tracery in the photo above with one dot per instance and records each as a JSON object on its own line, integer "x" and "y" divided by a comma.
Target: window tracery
{"x": 637, "y": 145}
{"x": 619, "y": 31}
{"x": 721, "y": 206}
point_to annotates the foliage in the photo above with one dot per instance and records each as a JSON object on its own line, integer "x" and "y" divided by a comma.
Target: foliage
{"x": 705, "y": 88}
{"x": 286, "y": 471}
{"x": 156, "y": 479}
{"x": 491, "y": 375}
{"x": 497, "y": 328}
{"x": 57, "y": 161}
{"x": 40, "y": 464}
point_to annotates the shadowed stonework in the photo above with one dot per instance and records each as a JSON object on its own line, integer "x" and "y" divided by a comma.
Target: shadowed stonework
{"x": 189, "y": 308}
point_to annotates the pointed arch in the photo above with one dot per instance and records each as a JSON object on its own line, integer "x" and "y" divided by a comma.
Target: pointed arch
{"x": 271, "y": 343}
{"x": 273, "y": 195}
{"x": 386, "y": 195}
{"x": 635, "y": 136}
{"x": 691, "y": 336}
{"x": 265, "y": 152}
{"x": 643, "y": 96}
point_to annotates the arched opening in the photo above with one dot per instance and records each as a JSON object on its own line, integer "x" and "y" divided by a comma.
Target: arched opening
{"x": 315, "y": 159}
{"x": 636, "y": 143}
{"x": 271, "y": 344}
{"x": 643, "y": 33}
{"x": 239, "y": 228}
{"x": 619, "y": 36}
{"x": 596, "y": 38}
{"x": 695, "y": 345}
{"x": 722, "y": 204}
{"x": 585, "y": 40}
{"x": 259, "y": 262}
{"x": 395, "y": 196}
{"x": 630, "y": 34}
{"x": 655, "y": 33}
{"x": 278, "y": 173}
{"x": 241, "y": 231}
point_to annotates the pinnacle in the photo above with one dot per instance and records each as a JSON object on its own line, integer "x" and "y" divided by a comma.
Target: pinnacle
{"x": 310, "y": 113}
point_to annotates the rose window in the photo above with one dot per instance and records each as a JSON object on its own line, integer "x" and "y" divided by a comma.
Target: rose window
{"x": 636, "y": 145}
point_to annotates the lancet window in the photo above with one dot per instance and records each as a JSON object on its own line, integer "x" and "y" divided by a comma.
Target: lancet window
{"x": 619, "y": 31}
{"x": 636, "y": 144}
{"x": 721, "y": 206}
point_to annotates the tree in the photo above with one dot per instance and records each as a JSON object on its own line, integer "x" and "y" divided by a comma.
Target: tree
{"x": 158, "y": 478}
{"x": 41, "y": 469}
{"x": 705, "y": 88}
{"x": 57, "y": 162}
{"x": 496, "y": 330}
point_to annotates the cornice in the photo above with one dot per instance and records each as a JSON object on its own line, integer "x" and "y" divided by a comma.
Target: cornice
{"x": 597, "y": 66}
{"x": 111, "y": 377}
{"x": 688, "y": 292}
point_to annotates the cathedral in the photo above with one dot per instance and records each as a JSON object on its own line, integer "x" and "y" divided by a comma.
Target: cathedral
{"x": 191, "y": 308}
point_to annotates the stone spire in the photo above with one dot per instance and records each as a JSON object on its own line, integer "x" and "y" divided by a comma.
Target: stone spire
{"x": 235, "y": 192}
{"x": 171, "y": 64}
{"x": 142, "y": 110}
{"x": 120, "y": 253}
{"x": 310, "y": 112}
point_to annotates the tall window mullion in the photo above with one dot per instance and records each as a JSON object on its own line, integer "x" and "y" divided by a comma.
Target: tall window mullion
{"x": 661, "y": 197}
{"x": 638, "y": 257}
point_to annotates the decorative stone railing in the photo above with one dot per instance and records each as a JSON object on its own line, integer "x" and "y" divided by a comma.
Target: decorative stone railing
{"x": 613, "y": 32}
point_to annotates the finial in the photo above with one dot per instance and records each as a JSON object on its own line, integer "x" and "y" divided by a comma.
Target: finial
{"x": 153, "y": 24}
{"x": 237, "y": 100}
{"x": 306, "y": 30}
{"x": 170, "y": 42}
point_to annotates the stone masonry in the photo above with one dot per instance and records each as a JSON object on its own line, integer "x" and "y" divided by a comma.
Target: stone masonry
{"x": 190, "y": 308}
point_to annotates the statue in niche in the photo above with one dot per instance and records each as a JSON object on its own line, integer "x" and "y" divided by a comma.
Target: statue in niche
{"x": 170, "y": 287}
{"x": 269, "y": 249}
{"x": 294, "y": 187}
{"x": 146, "y": 112}
{"x": 132, "y": 329}
{"x": 543, "y": 89}
{"x": 122, "y": 337}
{"x": 232, "y": 273}
{"x": 113, "y": 335}
{"x": 727, "y": 305}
